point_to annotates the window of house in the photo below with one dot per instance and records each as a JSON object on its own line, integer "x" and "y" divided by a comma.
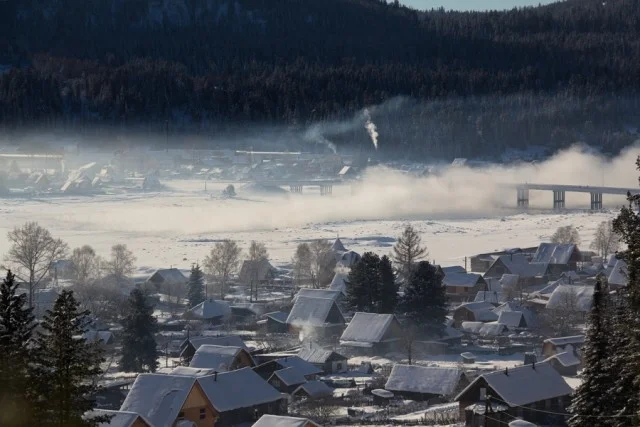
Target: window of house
{"x": 203, "y": 413}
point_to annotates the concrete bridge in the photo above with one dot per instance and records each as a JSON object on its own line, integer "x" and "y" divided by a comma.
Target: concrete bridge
{"x": 560, "y": 190}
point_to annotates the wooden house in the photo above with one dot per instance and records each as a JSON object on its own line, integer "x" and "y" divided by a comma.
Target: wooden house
{"x": 210, "y": 311}
{"x": 558, "y": 255}
{"x": 530, "y": 392}
{"x": 257, "y": 272}
{"x": 221, "y": 358}
{"x": 276, "y": 322}
{"x": 167, "y": 276}
{"x": 552, "y": 346}
{"x": 266, "y": 369}
{"x": 282, "y": 421}
{"x": 320, "y": 317}
{"x": 287, "y": 380}
{"x": 372, "y": 333}
{"x": 312, "y": 390}
{"x": 190, "y": 345}
{"x": 119, "y": 418}
{"x": 473, "y": 312}
{"x": 529, "y": 273}
{"x": 463, "y": 286}
{"x": 329, "y": 361}
{"x": 566, "y": 363}
{"x": 422, "y": 383}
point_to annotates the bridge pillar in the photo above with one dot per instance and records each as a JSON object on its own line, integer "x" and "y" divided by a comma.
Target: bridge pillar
{"x": 596, "y": 201}
{"x": 523, "y": 198}
{"x": 558, "y": 199}
{"x": 326, "y": 190}
{"x": 296, "y": 189}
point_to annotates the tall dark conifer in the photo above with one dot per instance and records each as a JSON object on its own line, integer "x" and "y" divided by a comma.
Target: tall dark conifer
{"x": 591, "y": 401}
{"x": 196, "y": 286}
{"x": 139, "y": 351}
{"x": 68, "y": 366}
{"x": 388, "y": 296}
{"x": 16, "y": 328}
{"x": 363, "y": 284}
{"x": 425, "y": 300}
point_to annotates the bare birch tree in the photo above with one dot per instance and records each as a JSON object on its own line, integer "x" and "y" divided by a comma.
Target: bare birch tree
{"x": 122, "y": 262}
{"x": 302, "y": 264}
{"x": 257, "y": 255}
{"x": 85, "y": 264}
{"x": 566, "y": 235}
{"x": 222, "y": 262}
{"x": 408, "y": 251}
{"x": 606, "y": 241}
{"x": 32, "y": 254}
{"x": 322, "y": 262}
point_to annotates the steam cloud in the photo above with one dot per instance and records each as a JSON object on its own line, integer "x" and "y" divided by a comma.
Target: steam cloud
{"x": 371, "y": 128}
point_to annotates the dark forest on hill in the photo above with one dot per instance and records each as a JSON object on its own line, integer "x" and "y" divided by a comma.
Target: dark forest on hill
{"x": 475, "y": 83}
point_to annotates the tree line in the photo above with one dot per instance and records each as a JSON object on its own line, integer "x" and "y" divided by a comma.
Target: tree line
{"x": 560, "y": 73}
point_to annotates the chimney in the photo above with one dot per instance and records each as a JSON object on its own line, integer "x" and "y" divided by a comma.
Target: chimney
{"x": 506, "y": 371}
{"x": 215, "y": 375}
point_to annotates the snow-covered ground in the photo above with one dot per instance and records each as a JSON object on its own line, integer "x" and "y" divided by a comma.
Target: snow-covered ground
{"x": 179, "y": 226}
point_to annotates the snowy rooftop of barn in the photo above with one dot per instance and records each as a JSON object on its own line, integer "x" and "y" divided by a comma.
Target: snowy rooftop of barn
{"x": 367, "y": 328}
{"x": 290, "y": 376}
{"x": 423, "y": 379}
{"x": 215, "y": 357}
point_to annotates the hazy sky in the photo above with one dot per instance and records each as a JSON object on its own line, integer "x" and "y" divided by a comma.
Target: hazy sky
{"x": 473, "y": 4}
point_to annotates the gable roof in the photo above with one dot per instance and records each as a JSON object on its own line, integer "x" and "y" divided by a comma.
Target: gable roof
{"x": 289, "y": 376}
{"x": 525, "y": 384}
{"x": 491, "y": 329}
{"x": 338, "y": 283}
{"x": 210, "y": 309}
{"x": 188, "y": 371}
{"x": 215, "y": 357}
{"x": 316, "y": 354}
{"x": 255, "y": 270}
{"x": 242, "y": 388}
{"x": 338, "y": 246}
{"x": 581, "y": 296}
{"x": 169, "y": 275}
{"x": 467, "y": 280}
{"x": 423, "y": 379}
{"x": 562, "y": 341}
{"x": 314, "y": 389}
{"x": 158, "y": 398}
{"x": 518, "y": 264}
{"x": 511, "y": 319}
{"x": 226, "y": 341}
{"x": 278, "y": 316}
{"x": 281, "y": 421}
{"x": 306, "y": 368}
{"x": 368, "y": 328}
{"x": 567, "y": 358}
{"x": 318, "y": 293}
{"x": 314, "y": 312}
{"x": 453, "y": 269}
{"x": 492, "y": 297}
{"x": 553, "y": 253}
{"x": 118, "y": 418}
{"x": 619, "y": 275}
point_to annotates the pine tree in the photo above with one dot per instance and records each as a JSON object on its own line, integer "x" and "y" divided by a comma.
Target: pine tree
{"x": 363, "y": 284}
{"x": 67, "y": 366}
{"x": 408, "y": 251}
{"x": 196, "y": 286}
{"x": 16, "y": 328}
{"x": 591, "y": 399}
{"x": 139, "y": 351}
{"x": 388, "y": 296}
{"x": 425, "y": 299}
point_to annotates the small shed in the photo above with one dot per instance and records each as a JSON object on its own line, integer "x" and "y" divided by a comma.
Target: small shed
{"x": 276, "y": 322}
{"x": 328, "y": 360}
{"x": 212, "y": 311}
{"x": 552, "y": 346}
{"x": 426, "y": 383}
{"x": 221, "y": 358}
{"x": 566, "y": 363}
{"x": 287, "y": 380}
{"x": 167, "y": 276}
{"x": 312, "y": 390}
{"x": 381, "y": 397}
{"x": 374, "y": 332}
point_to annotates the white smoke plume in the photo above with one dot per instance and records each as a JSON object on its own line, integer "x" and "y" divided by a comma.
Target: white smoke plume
{"x": 314, "y": 134}
{"x": 371, "y": 128}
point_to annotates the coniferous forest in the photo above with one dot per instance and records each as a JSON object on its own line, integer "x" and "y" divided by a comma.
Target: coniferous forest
{"x": 437, "y": 84}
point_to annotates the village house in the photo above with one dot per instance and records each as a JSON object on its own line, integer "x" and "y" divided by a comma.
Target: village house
{"x": 463, "y": 286}
{"x": 426, "y": 383}
{"x": 167, "y": 276}
{"x": 221, "y": 358}
{"x": 487, "y": 330}
{"x": 619, "y": 275}
{"x": 339, "y": 282}
{"x": 530, "y": 392}
{"x": 529, "y": 273}
{"x": 266, "y": 369}
{"x": 492, "y": 297}
{"x": 513, "y": 320}
{"x": 480, "y": 263}
{"x": 275, "y": 322}
{"x": 328, "y": 360}
{"x": 312, "y": 390}
{"x": 164, "y": 400}
{"x": 282, "y": 421}
{"x": 566, "y": 363}
{"x": 190, "y": 345}
{"x": 473, "y": 312}
{"x": 372, "y": 333}
{"x": 552, "y": 346}
{"x": 287, "y": 380}
{"x": 318, "y": 293}
{"x": 567, "y": 255}
{"x": 571, "y": 297}
{"x": 257, "y": 272}
{"x": 119, "y": 418}
{"x": 315, "y": 317}
{"x": 241, "y": 396}
{"x": 210, "y": 311}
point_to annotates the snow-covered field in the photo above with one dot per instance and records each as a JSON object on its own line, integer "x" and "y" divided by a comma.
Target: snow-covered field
{"x": 179, "y": 226}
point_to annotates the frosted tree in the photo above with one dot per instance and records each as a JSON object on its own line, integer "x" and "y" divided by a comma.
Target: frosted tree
{"x": 322, "y": 263}
{"x": 302, "y": 264}
{"x": 222, "y": 262}
{"x": 408, "y": 251}
{"x": 33, "y": 253}
{"x": 606, "y": 241}
{"x": 121, "y": 264}
{"x": 363, "y": 284}
{"x": 139, "y": 326}
{"x": 257, "y": 255}
{"x": 196, "y": 286}
{"x": 566, "y": 235}
{"x": 85, "y": 264}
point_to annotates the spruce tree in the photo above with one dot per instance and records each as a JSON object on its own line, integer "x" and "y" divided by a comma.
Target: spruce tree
{"x": 388, "y": 296}
{"x": 196, "y": 286}
{"x": 425, "y": 300}
{"x": 363, "y": 284}
{"x": 591, "y": 400}
{"x": 139, "y": 351}
{"x": 16, "y": 328}
{"x": 67, "y": 366}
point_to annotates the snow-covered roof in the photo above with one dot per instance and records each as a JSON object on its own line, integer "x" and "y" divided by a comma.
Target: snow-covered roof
{"x": 567, "y": 358}
{"x": 563, "y": 341}
{"x": 192, "y": 372}
{"x": 453, "y": 269}
{"x": 215, "y": 357}
{"x": 423, "y": 379}
{"x": 509, "y": 280}
{"x": 314, "y": 389}
{"x": 338, "y": 246}
{"x": 290, "y": 376}
{"x": 282, "y": 421}
{"x": 525, "y": 384}
{"x": 238, "y": 389}
{"x": 210, "y": 309}
{"x": 481, "y": 311}
{"x": 467, "y": 280}
{"x": 619, "y": 275}
{"x": 489, "y": 296}
{"x": 521, "y": 423}
{"x": 314, "y": 312}
{"x": 339, "y": 283}
{"x": 367, "y": 328}
{"x": 511, "y": 319}
{"x": 158, "y": 398}
{"x": 169, "y": 275}
{"x": 306, "y": 368}
{"x": 581, "y": 297}
{"x": 117, "y": 418}
{"x": 318, "y": 293}
{"x": 278, "y": 316}
{"x": 256, "y": 270}
{"x": 347, "y": 259}
{"x": 491, "y": 329}
{"x": 313, "y": 353}
{"x": 553, "y": 253}
{"x": 226, "y": 341}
